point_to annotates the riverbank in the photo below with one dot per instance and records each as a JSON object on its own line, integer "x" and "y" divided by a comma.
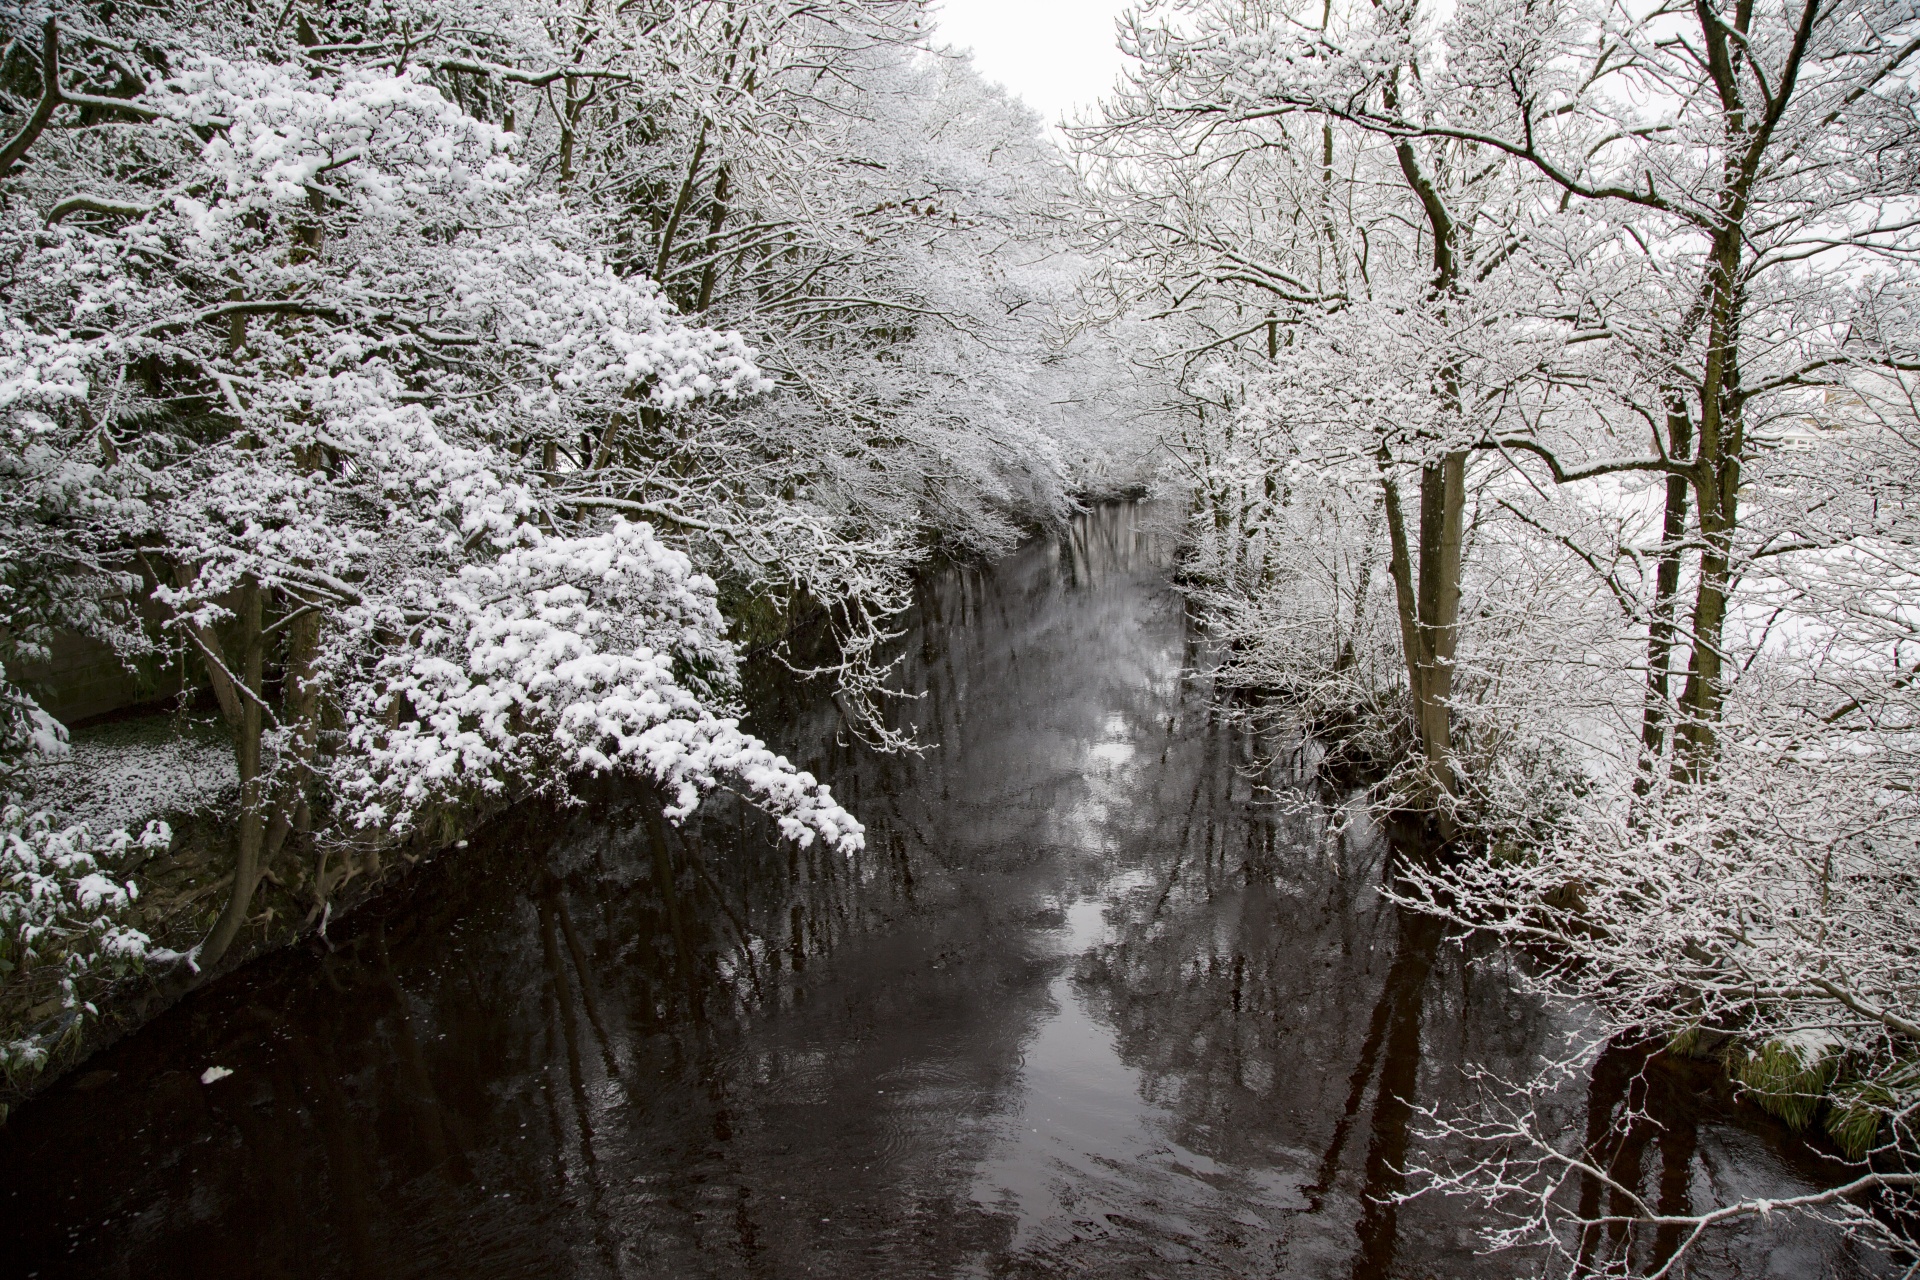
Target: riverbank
{"x": 177, "y": 768}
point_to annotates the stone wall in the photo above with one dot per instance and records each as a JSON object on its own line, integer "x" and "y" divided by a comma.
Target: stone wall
{"x": 82, "y": 679}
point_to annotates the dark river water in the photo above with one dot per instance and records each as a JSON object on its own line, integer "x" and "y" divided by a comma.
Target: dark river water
{"x": 1090, "y": 1004}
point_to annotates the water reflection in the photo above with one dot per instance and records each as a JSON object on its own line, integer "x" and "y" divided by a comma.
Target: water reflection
{"x": 1091, "y": 1002}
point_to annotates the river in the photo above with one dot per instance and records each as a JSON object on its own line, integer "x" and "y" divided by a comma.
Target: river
{"x": 1089, "y": 1004}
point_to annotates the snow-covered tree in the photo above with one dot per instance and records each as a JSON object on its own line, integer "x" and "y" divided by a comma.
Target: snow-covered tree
{"x": 280, "y": 348}
{"x": 423, "y": 379}
{"x": 876, "y": 220}
{"x": 1349, "y": 304}
{"x": 1673, "y": 366}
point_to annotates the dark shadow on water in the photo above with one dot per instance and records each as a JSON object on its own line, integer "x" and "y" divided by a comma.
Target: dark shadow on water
{"x": 1092, "y": 1002}
{"x": 1398, "y": 1019}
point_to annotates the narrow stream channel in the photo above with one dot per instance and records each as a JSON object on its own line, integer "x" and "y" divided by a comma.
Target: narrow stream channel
{"x": 1085, "y": 1006}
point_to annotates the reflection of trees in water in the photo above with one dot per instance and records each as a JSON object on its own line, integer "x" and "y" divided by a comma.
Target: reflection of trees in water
{"x": 1648, "y": 1119}
{"x": 1284, "y": 1013}
{"x": 655, "y": 952}
{"x": 1634, "y": 1107}
{"x": 1273, "y": 1001}
{"x": 555, "y": 1080}
{"x": 635, "y": 953}
{"x": 1393, "y": 1040}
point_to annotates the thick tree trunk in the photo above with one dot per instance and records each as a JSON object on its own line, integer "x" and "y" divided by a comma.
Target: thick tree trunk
{"x": 1716, "y": 483}
{"x": 1716, "y": 473}
{"x": 1430, "y": 612}
{"x": 1429, "y": 605}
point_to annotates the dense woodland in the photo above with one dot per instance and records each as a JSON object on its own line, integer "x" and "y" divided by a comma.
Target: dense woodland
{"x": 456, "y": 389}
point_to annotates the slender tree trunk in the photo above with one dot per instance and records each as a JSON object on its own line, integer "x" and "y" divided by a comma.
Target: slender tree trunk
{"x": 303, "y": 714}
{"x": 687, "y": 184}
{"x": 1666, "y": 589}
{"x": 569, "y": 115}
{"x": 716, "y": 218}
{"x": 254, "y": 800}
{"x": 1442, "y": 514}
{"x": 666, "y": 877}
{"x": 213, "y": 656}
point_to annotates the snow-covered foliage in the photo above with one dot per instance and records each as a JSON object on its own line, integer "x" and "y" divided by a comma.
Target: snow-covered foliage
{"x": 359, "y": 476}
{"x": 26, "y": 730}
{"x": 563, "y": 656}
{"x": 62, "y": 909}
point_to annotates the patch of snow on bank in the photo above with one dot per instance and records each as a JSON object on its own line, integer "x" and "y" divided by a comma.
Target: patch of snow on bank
{"x": 124, "y": 773}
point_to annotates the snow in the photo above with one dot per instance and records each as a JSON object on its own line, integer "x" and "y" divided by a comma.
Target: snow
{"x": 124, "y": 774}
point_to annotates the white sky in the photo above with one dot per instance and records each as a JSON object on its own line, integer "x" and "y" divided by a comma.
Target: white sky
{"x": 1056, "y": 54}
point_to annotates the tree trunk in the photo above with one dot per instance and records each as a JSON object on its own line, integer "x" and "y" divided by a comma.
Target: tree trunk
{"x": 569, "y": 118}
{"x": 1705, "y": 692}
{"x": 680, "y": 201}
{"x": 254, "y": 800}
{"x": 1429, "y": 606}
{"x": 303, "y": 713}
{"x": 1666, "y": 589}
{"x": 1442, "y": 512}
{"x": 716, "y": 218}
{"x": 214, "y": 658}
{"x": 1430, "y": 614}
{"x": 1716, "y": 481}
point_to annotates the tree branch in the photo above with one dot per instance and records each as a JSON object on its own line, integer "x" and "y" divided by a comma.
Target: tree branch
{"x": 49, "y": 99}
{"x": 1605, "y": 467}
{"x": 96, "y": 204}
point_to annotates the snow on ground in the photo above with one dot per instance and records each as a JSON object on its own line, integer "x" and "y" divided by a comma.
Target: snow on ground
{"x": 125, "y": 772}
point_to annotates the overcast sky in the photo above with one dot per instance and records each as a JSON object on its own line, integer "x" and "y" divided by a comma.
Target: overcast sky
{"x": 1057, "y": 54}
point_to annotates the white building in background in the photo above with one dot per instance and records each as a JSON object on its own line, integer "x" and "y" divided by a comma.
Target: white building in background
{"x": 1838, "y": 411}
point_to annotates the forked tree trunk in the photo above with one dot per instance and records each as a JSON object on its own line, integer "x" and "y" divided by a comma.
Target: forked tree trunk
{"x": 1430, "y": 607}
{"x": 271, "y": 807}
